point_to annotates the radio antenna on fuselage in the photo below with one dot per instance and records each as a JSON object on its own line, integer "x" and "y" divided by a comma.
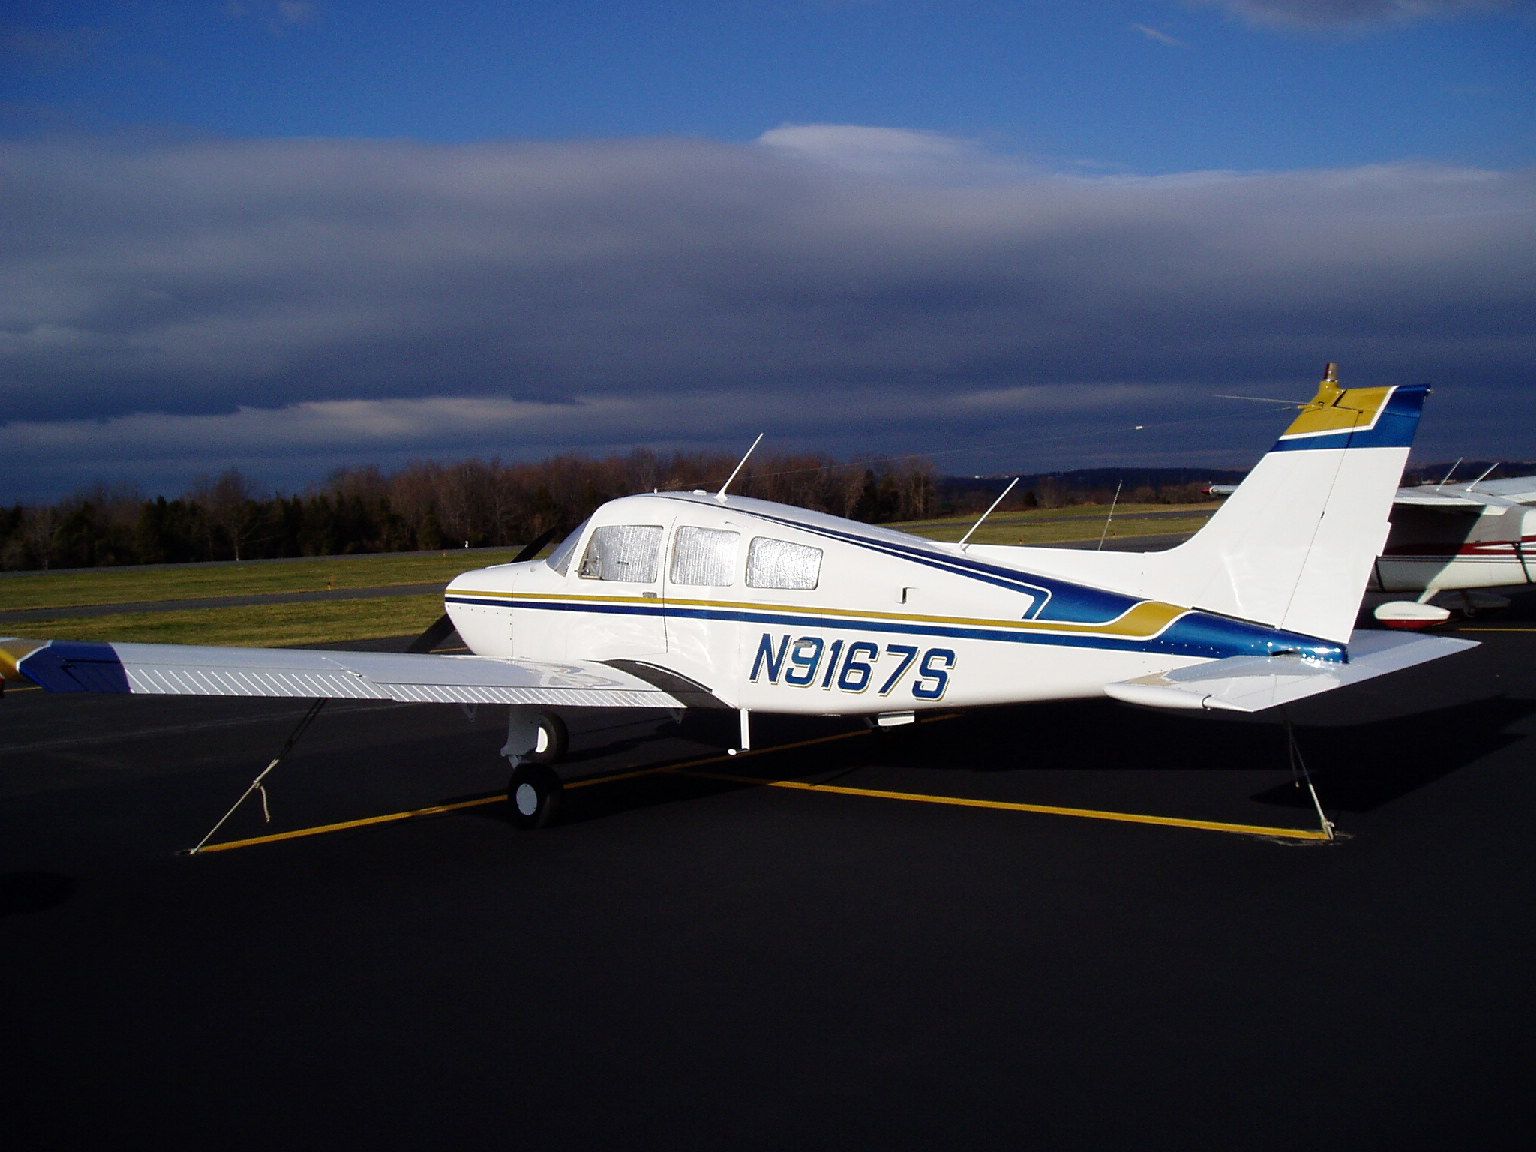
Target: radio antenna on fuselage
{"x": 988, "y": 512}
{"x": 720, "y": 495}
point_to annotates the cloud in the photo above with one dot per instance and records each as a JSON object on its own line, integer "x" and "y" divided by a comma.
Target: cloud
{"x": 1157, "y": 36}
{"x": 296, "y": 305}
{"x": 276, "y": 15}
{"x": 872, "y": 151}
{"x": 1335, "y": 14}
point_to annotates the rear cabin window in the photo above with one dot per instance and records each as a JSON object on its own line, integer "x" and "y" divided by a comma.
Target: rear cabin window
{"x": 704, "y": 557}
{"x": 627, "y": 552}
{"x": 781, "y": 564}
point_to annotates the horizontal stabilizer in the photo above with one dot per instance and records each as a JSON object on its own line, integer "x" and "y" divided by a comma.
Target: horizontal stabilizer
{"x": 192, "y": 670}
{"x": 1254, "y": 683}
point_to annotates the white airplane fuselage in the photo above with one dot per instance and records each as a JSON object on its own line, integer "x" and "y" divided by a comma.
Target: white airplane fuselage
{"x": 774, "y": 608}
{"x": 1434, "y": 550}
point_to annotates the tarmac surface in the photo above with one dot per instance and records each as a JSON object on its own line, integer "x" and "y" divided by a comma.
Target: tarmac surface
{"x": 687, "y": 961}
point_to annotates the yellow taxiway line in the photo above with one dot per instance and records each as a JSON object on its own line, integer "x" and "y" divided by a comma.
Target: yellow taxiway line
{"x": 1016, "y": 806}
{"x": 696, "y": 769}
{"x": 365, "y": 822}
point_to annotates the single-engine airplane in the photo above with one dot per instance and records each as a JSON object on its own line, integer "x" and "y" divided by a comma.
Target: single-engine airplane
{"x": 682, "y": 599}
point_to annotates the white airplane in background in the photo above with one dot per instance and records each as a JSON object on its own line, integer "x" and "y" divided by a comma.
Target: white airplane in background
{"x": 1452, "y": 543}
{"x": 1455, "y": 542}
{"x": 679, "y": 599}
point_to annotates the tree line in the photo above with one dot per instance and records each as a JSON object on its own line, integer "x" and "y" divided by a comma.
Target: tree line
{"x": 428, "y": 506}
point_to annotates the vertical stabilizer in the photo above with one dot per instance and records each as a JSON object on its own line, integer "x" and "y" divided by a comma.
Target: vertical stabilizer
{"x": 1293, "y": 546}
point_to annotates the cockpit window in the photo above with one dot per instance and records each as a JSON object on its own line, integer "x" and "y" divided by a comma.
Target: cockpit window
{"x": 627, "y": 552}
{"x": 560, "y": 558}
{"x": 782, "y": 564}
{"x": 704, "y": 557}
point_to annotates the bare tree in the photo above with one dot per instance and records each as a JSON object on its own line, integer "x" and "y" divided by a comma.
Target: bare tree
{"x": 229, "y": 507}
{"x": 40, "y": 530}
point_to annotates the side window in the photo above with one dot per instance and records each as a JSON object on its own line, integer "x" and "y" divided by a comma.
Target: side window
{"x": 704, "y": 556}
{"x": 780, "y": 564}
{"x": 627, "y": 552}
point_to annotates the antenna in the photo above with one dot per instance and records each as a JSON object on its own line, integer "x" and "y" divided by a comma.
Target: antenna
{"x": 1448, "y": 475}
{"x": 988, "y": 512}
{"x": 1483, "y": 477}
{"x": 720, "y": 495}
{"x": 1112, "y": 505}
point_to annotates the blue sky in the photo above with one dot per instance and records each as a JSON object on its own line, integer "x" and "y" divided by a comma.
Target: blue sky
{"x": 295, "y": 235}
{"x": 1143, "y": 86}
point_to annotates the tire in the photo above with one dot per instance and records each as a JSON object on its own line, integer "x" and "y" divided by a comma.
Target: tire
{"x": 533, "y": 796}
{"x": 552, "y": 742}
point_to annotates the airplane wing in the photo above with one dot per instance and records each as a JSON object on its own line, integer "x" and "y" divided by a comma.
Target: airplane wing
{"x": 1429, "y": 498}
{"x": 190, "y": 670}
{"x": 1490, "y": 495}
{"x": 1254, "y": 683}
{"x": 1451, "y": 499}
{"x": 1520, "y": 489}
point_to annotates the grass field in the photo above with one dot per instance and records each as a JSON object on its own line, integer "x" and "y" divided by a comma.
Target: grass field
{"x": 1083, "y": 523}
{"x": 87, "y": 587}
{"x": 335, "y": 621}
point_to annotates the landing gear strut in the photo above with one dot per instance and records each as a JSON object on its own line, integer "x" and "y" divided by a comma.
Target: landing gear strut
{"x": 535, "y": 740}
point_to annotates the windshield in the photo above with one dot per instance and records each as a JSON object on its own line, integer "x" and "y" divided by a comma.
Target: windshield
{"x": 560, "y": 558}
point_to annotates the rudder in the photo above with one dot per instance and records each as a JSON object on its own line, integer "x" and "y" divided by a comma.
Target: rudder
{"x": 1293, "y": 546}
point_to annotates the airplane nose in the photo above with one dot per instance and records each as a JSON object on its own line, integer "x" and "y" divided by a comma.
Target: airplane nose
{"x": 477, "y": 603}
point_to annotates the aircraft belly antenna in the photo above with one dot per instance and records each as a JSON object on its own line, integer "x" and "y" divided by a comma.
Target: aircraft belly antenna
{"x": 988, "y": 512}
{"x": 720, "y": 495}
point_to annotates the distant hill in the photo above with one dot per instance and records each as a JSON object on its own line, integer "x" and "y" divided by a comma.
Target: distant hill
{"x": 1086, "y": 486}
{"x": 1465, "y": 470}
{"x": 1161, "y": 485}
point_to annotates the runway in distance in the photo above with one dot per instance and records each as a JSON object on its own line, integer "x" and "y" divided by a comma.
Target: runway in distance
{"x": 673, "y": 600}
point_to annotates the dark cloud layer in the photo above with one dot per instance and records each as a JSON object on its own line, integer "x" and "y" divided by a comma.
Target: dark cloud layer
{"x": 296, "y": 304}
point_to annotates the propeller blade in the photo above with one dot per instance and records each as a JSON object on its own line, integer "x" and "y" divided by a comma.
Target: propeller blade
{"x": 531, "y": 550}
{"x": 438, "y": 631}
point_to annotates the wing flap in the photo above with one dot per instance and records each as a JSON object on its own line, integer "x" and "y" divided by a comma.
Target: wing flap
{"x": 1254, "y": 683}
{"x": 192, "y": 670}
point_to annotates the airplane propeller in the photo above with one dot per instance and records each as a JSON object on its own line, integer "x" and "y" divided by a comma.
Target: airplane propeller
{"x": 441, "y": 628}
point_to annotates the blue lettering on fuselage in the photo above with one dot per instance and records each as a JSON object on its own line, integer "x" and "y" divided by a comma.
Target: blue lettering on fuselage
{"x": 853, "y": 665}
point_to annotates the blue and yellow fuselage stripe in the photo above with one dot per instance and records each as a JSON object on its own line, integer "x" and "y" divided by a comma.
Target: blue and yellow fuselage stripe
{"x": 1147, "y": 625}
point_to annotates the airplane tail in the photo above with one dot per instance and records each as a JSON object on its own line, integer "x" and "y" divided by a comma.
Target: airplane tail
{"x": 1293, "y": 546}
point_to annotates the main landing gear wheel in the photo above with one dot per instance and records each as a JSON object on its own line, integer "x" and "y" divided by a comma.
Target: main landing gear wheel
{"x": 550, "y": 743}
{"x": 533, "y": 795}
{"x": 534, "y": 737}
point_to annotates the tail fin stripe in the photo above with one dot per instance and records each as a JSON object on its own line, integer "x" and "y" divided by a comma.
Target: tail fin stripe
{"x": 1384, "y": 418}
